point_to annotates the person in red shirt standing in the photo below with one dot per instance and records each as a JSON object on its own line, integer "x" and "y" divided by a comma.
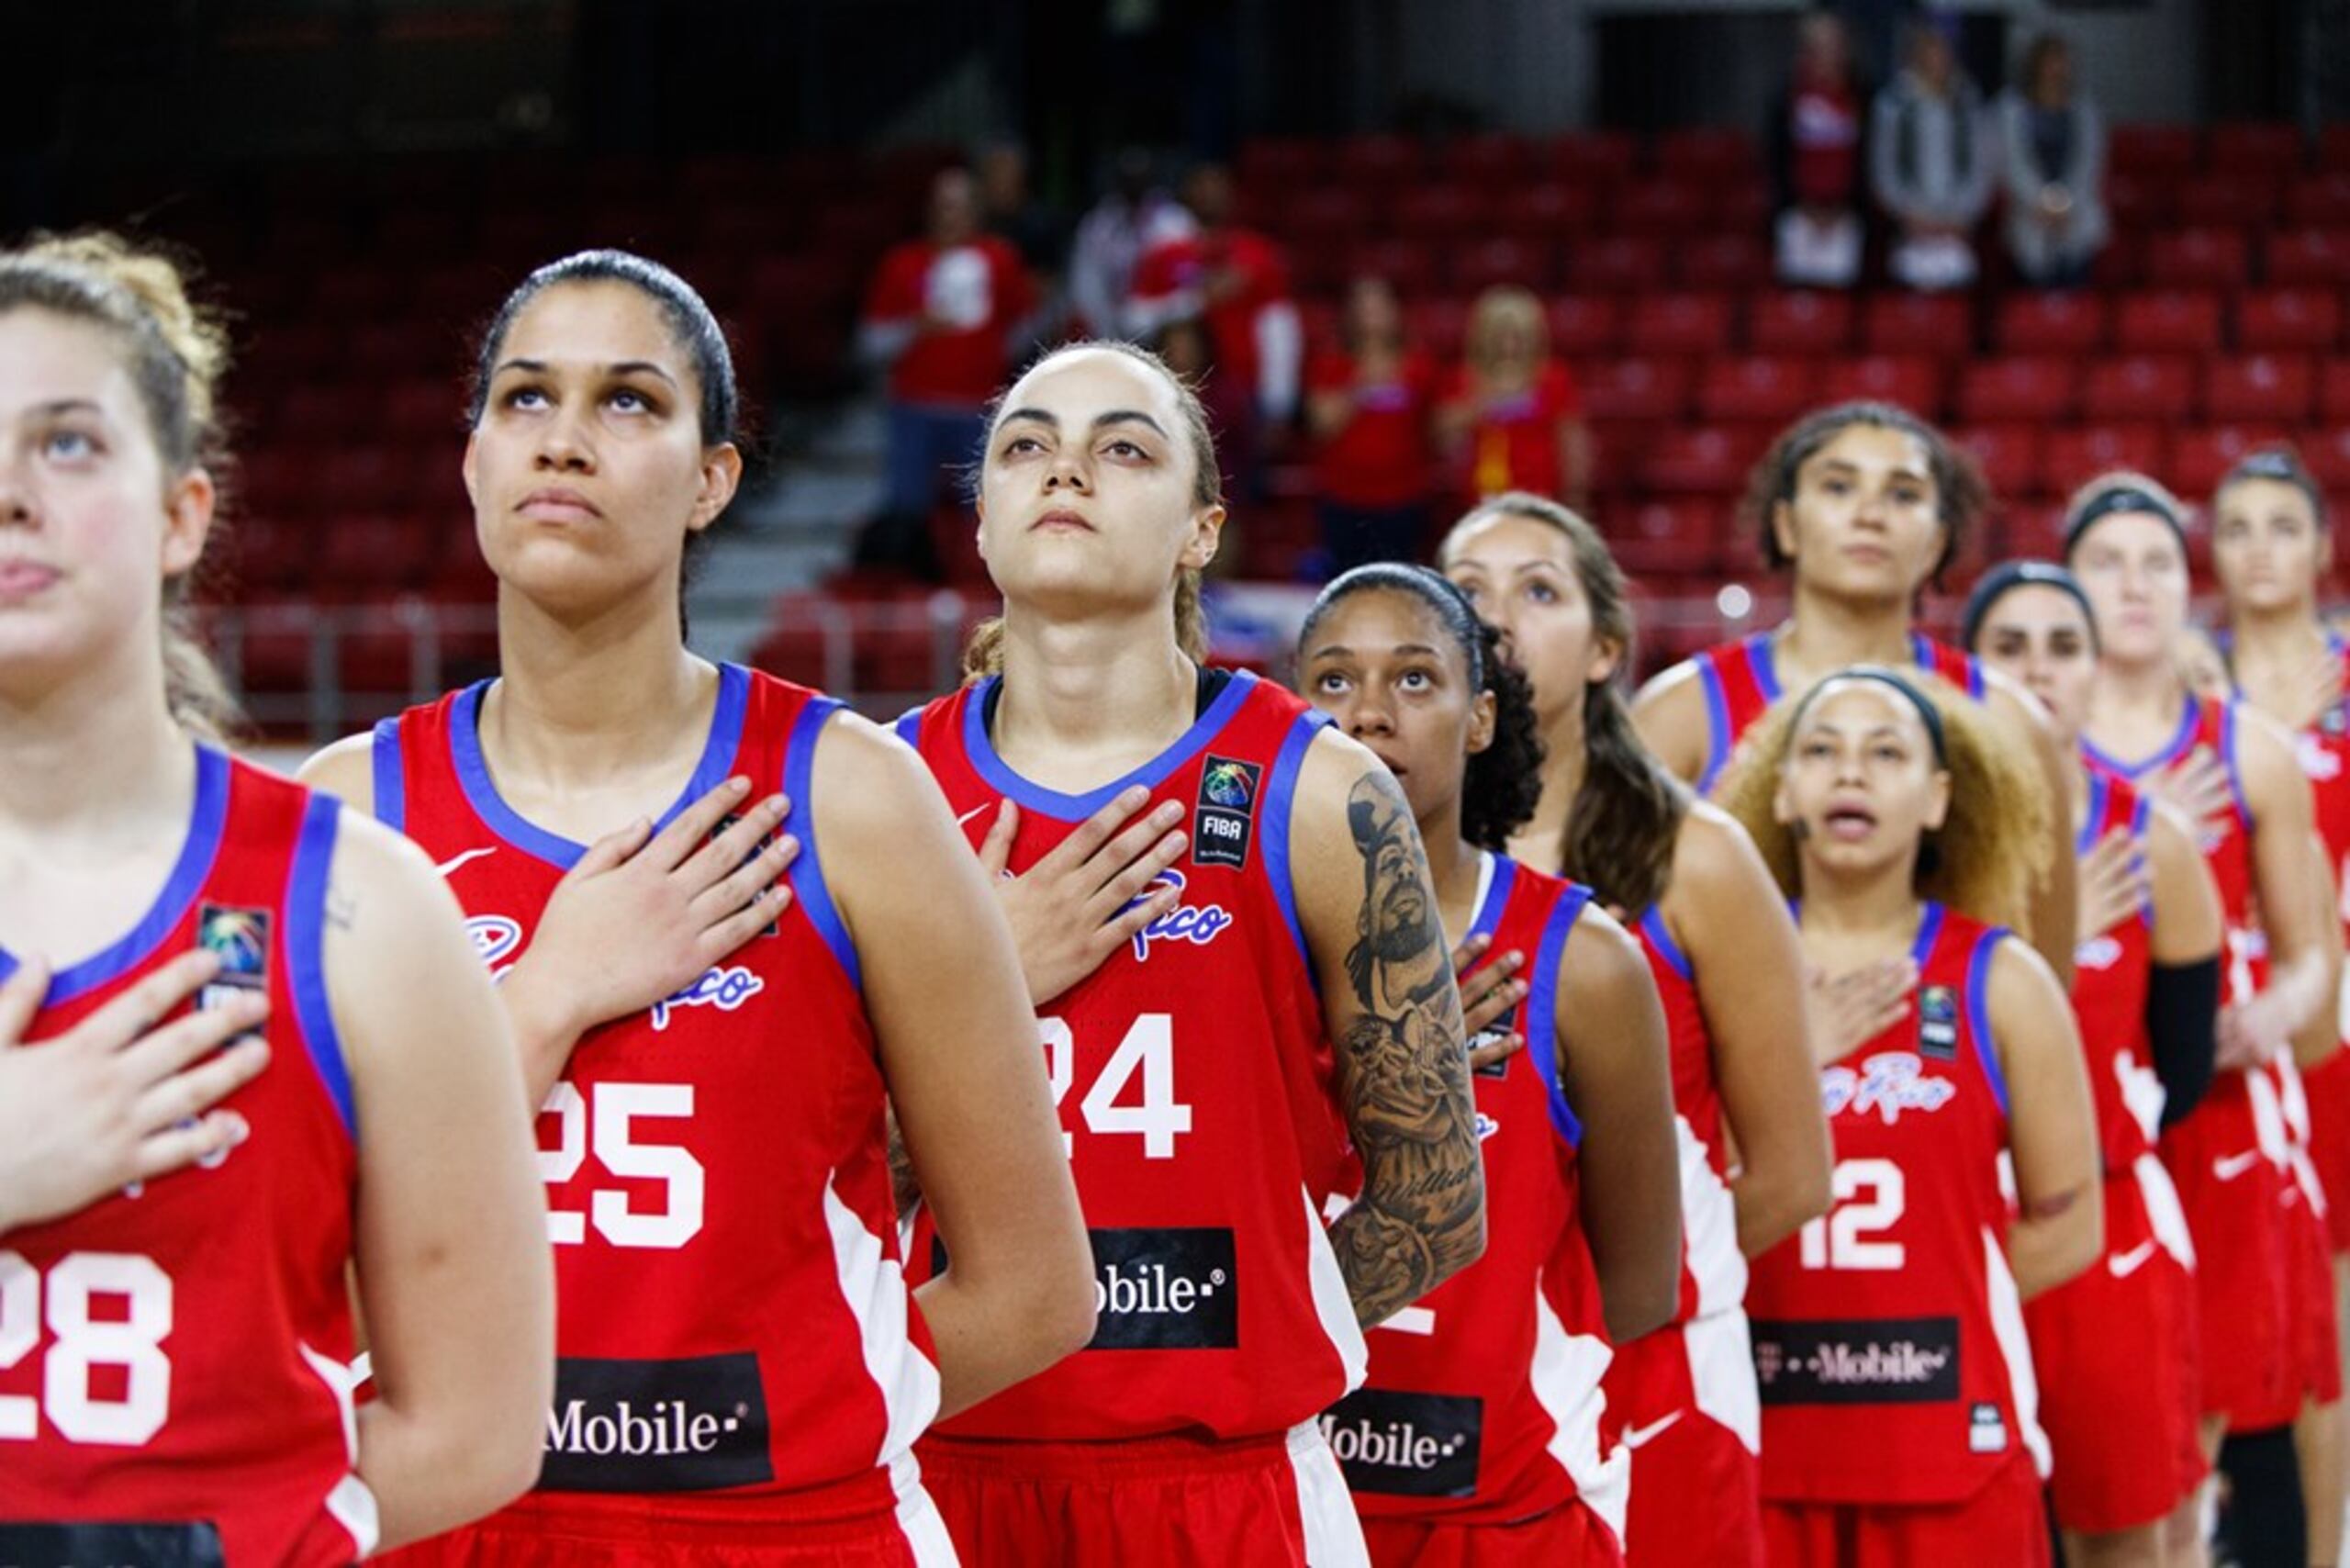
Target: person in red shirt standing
{"x": 1900, "y": 1419}
{"x": 942, "y": 314}
{"x": 1367, "y": 403}
{"x": 1512, "y": 417}
{"x": 1814, "y": 137}
{"x": 1235, "y": 278}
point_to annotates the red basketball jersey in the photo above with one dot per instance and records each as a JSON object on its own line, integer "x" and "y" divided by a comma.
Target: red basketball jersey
{"x": 733, "y": 1332}
{"x": 1889, "y": 1334}
{"x": 1482, "y": 1403}
{"x": 174, "y": 1359}
{"x": 1713, "y": 1270}
{"x": 1193, "y": 1077}
{"x": 2110, "y": 973}
{"x": 1741, "y": 681}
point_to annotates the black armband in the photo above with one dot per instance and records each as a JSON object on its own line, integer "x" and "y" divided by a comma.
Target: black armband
{"x": 2183, "y": 1026}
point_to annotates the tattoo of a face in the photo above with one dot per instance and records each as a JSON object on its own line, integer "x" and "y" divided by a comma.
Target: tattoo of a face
{"x": 1404, "y": 1073}
{"x": 902, "y": 1185}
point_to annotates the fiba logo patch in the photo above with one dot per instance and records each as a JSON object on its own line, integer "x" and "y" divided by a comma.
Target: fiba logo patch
{"x": 1938, "y": 1023}
{"x": 1227, "y": 806}
{"x": 240, "y": 939}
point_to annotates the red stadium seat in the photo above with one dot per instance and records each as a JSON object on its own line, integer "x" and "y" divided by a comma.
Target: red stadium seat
{"x": 2334, "y": 147}
{"x": 1678, "y": 324}
{"x": 2167, "y": 321}
{"x": 2318, "y": 201}
{"x": 364, "y": 478}
{"x": 2009, "y": 455}
{"x": 2198, "y": 258}
{"x": 2259, "y": 388}
{"x": 1490, "y": 160}
{"x": 2255, "y": 149}
{"x": 1325, "y": 216}
{"x": 1909, "y": 381}
{"x": 2327, "y": 453}
{"x": 1603, "y": 158}
{"x": 1660, "y": 538}
{"x": 323, "y": 413}
{"x": 2200, "y": 457}
{"x": 1288, "y": 162}
{"x": 1758, "y": 387}
{"x": 1584, "y": 326}
{"x": 2163, "y": 152}
{"x": 2333, "y": 392}
{"x": 1408, "y": 265}
{"x": 1528, "y": 263}
{"x": 1372, "y": 164}
{"x": 1661, "y": 206}
{"x": 2140, "y": 386}
{"x": 1621, "y": 263}
{"x": 1439, "y": 326}
{"x": 2035, "y": 530}
{"x": 1805, "y": 322}
{"x": 2137, "y": 201}
{"x": 1630, "y": 389}
{"x": 2315, "y": 258}
{"x": 1550, "y": 209}
{"x": 2021, "y": 388}
{"x": 1441, "y": 215}
{"x": 2072, "y": 457}
{"x": 2038, "y": 321}
{"x": 2288, "y": 320}
{"x": 1708, "y": 155}
{"x": 1724, "y": 261}
{"x": 1704, "y": 461}
{"x": 1938, "y": 324}
{"x": 2228, "y": 201}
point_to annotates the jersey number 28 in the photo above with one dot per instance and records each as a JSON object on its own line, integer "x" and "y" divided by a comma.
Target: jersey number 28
{"x": 131, "y": 1344}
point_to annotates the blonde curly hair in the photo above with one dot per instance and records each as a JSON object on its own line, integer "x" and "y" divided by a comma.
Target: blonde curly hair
{"x": 1992, "y": 849}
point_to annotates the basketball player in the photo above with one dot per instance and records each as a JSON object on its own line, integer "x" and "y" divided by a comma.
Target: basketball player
{"x": 1204, "y": 1105}
{"x": 1723, "y": 951}
{"x": 173, "y": 1356}
{"x": 741, "y": 1374}
{"x": 2117, "y": 1347}
{"x": 2256, "y": 1238}
{"x": 1862, "y": 505}
{"x": 1500, "y": 1365}
{"x": 1897, "y": 1401}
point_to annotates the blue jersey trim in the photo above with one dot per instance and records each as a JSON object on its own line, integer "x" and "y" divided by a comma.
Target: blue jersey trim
{"x": 2235, "y": 773}
{"x": 208, "y": 815}
{"x": 391, "y": 782}
{"x": 1765, "y": 665}
{"x": 807, "y": 872}
{"x": 981, "y": 748}
{"x": 2101, "y": 790}
{"x": 2164, "y": 754}
{"x": 1978, "y": 1013}
{"x": 1709, "y": 681}
{"x": 1930, "y": 929}
{"x": 305, "y": 948}
{"x": 1497, "y": 891}
{"x": 481, "y": 791}
{"x": 1921, "y": 650}
{"x": 1281, "y": 796}
{"x": 1660, "y": 936}
{"x": 908, "y": 727}
{"x": 1542, "y": 1003}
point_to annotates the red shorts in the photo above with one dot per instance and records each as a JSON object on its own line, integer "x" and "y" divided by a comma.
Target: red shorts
{"x": 1273, "y": 1502}
{"x": 2232, "y": 1193}
{"x": 2327, "y": 1088}
{"x": 2317, "y": 1334}
{"x": 1677, "y": 1398}
{"x": 2001, "y": 1524}
{"x": 1568, "y": 1536}
{"x": 543, "y": 1530}
{"x": 2118, "y": 1401}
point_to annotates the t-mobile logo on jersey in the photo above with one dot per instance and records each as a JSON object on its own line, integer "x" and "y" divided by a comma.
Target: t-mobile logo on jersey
{"x": 682, "y": 1426}
{"x": 1406, "y": 1445}
{"x": 1886, "y": 1360}
{"x": 1165, "y": 1289}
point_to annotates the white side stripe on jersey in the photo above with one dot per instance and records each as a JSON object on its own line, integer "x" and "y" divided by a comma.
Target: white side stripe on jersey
{"x": 874, "y": 1287}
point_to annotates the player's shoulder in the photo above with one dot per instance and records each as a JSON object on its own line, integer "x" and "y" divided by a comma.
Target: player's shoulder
{"x": 345, "y": 769}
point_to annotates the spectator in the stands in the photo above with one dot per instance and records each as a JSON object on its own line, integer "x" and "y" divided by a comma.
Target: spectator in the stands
{"x": 1010, "y": 210}
{"x": 1933, "y": 161}
{"x": 2055, "y": 146}
{"x": 1368, "y": 404}
{"x": 1235, "y": 279}
{"x": 1814, "y": 137}
{"x": 1189, "y": 349}
{"x": 1135, "y": 214}
{"x": 942, "y": 314}
{"x": 1512, "y": 417}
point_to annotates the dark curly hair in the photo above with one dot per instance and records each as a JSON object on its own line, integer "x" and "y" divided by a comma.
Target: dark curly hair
{"x": 1961, "y": 495}
{"x": 1502, "y": 783}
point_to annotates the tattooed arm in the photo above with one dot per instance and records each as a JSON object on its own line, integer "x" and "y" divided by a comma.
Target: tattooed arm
{"x": 1370, "y": 925}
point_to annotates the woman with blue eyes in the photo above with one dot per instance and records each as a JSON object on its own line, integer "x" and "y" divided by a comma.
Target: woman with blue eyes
{"x": 716, "y": 1016}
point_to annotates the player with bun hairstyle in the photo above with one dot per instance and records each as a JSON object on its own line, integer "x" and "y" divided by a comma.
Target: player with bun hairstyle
{"x": 173, "y": 1382}
{"x": 2117, "y": 1347}
{"x": 1724, "y": 954}
{"x": 1218, "y": 1040}
{"x": 1503, "y": 1361}
{"x": 1862, "y": 505}
{"x": 2268, "y": 1344}
{"x": 716, "y": 1017}
{"x": 1898, "y": 1419}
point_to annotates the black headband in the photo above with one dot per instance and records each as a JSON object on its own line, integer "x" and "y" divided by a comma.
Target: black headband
{"x": 1928, "y": 714}
{"x": 2119, "y": 499}
{"x": 1996, "y": 583}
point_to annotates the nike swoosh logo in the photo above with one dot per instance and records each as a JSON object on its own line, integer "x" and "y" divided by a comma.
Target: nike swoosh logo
{"x": 450, "y": 865}
{"x": 2125, "y": 1264}
{"x": 1634, "y": 1436}
{"x": 975, "y": 811}
{"x": 2229, "y": 1167}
